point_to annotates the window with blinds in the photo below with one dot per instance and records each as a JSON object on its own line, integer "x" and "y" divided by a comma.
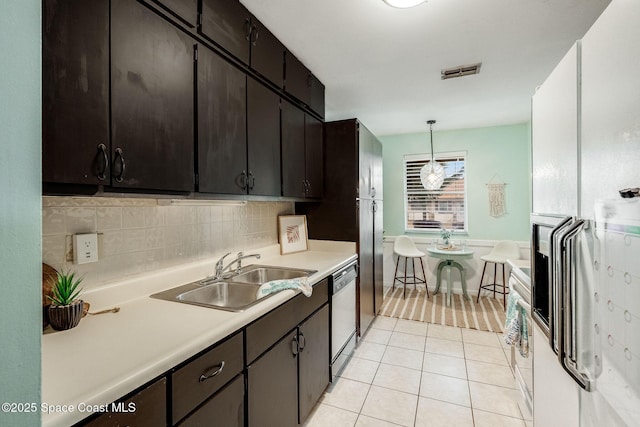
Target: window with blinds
{"x": 443, "y": 208}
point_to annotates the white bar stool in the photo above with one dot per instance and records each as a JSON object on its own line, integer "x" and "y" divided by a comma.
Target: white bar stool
{"x": 405, "y": 248}
{"x": 499, "y": 254}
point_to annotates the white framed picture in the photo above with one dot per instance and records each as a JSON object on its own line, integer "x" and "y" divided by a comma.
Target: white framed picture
{"x": 292, "y": 233}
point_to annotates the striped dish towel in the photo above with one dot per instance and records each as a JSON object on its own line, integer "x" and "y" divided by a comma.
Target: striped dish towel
{"x": 274, "y": 286}
{"x": 516, "y": 330}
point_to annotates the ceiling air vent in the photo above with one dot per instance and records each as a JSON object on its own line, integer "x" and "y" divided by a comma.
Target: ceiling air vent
{"x": 459, "y": 71}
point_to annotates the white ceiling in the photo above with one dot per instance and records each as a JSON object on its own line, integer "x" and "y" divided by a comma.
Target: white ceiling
{"x": 382, "y": 65}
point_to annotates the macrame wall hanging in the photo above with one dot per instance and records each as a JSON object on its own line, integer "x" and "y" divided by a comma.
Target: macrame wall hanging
{"x": 497, "y": 202}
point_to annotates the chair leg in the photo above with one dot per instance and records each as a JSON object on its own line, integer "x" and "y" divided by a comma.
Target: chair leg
{"x": 425, "y": 277}
{"x": 481, "y": 279}
{"x": 413, "y": 270}
{"x": 395, "y": 275}
{"x": 404, "y": 285}
{"x": 504, "y": 289}
{"x": 495, "y": 278}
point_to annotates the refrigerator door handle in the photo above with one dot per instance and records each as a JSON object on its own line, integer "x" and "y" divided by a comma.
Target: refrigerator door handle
{"x": 567, "y": 344}
{"x": 555, "y": 280}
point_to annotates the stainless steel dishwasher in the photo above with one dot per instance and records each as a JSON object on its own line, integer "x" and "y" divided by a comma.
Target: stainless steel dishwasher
{"x": 343, "y": 317}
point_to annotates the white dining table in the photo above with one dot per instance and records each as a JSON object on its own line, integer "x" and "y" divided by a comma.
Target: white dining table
{"x": 449, "y": 258}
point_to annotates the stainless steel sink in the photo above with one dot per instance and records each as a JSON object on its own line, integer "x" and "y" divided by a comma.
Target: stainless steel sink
{"x": 233, "y": 296}
{"x": 259, "y": 274}
{"x": 236, "y": 293}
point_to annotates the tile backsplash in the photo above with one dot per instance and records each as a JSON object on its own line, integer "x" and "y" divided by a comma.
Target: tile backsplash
{"x": 136, "y": 235}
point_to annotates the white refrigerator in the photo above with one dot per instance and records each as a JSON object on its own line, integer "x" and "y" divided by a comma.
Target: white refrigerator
{"x": 585, "y": 236}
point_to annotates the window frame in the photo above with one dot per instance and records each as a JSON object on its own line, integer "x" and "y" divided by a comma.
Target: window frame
{"x": 438, "y": 157}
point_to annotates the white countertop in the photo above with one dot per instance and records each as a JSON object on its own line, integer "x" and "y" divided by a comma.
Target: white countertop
{"x": 110, "y": 355}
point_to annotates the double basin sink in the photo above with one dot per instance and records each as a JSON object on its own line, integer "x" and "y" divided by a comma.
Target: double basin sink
{"x": 235, "y": 293}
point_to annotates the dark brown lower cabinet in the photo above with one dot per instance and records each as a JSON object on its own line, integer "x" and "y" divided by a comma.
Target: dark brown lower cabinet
{"x": 286, "y": 382}
{"x": 313, "y": 336}
{"x": 197, "y": 380}
{"x": 148, "y": 407}
{"x": 224, "y": 409}
{"x": 276, "y": 382}
{"x": 273, "y": 386}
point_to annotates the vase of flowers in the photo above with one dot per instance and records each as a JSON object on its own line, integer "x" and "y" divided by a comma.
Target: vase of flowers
{"x": 446, "y": 237}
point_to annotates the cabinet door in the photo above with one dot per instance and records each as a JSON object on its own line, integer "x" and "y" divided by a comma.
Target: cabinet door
{"x": 75, "y": 92}
{"x": 293, "y": 151}
{"x": 267, "y": 53}
{"x": 147, "y": 408}
{"x": 225, "y": 408}
{"x": 263, "y": 136}
{"x": 365, "y": 259}
{"x": 315, "y": 352}
{"x": 610, "y": 130}
{"x": 186, "y": 10}
{"x": 273, "y": 386}
{"x": 222, "y": 121}
{"x": 313, "y": 156}
{"x": 378, "y": 276}
{"x": 228, "y": 24}
{"x": 152, "y": 101}
{"x": 554, "y": 139}
{"x": 316, "y": 95}
{"x": 296, "y": 78}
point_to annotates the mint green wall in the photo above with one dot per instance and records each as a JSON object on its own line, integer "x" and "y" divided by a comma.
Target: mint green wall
{"x": 502, "y": 150}
{"x": 20, "y": 208}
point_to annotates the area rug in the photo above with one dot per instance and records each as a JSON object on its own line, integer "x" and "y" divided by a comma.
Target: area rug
{"x": 486, "y": 315}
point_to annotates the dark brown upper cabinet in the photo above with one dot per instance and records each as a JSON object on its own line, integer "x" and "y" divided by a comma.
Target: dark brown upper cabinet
{"x": 231, "y": 26}
{"x": 263, "y": 136}
{"x": 238, "y": 130}
{"x": 222, "y": 125}
{"x": 302, "y": 150}
{"x": 267, "y": 53}
{"x": 228, "y": 24}
{"x": 75, "y": 92}
{"x": 316, "y": 95}
{"x": 184, "y": 10}
{"x": 303, "y": 85}
{"x": 152, "y": 101}
{"x": 313, "y": 148}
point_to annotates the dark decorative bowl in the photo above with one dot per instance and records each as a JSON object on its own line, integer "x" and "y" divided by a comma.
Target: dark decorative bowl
{"x": 62, "y": 317}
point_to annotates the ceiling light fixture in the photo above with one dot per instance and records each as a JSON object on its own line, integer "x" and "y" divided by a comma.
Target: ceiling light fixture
{"x": 403, "y": 4}
{"x": 432, "y": 173}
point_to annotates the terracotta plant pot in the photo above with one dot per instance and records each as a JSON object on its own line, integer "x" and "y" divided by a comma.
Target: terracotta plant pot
{"x": 62, "y": 317}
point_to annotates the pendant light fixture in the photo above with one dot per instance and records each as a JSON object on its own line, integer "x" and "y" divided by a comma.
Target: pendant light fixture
{"x": 403, "y": 4}
{"x": 432, "y": 174}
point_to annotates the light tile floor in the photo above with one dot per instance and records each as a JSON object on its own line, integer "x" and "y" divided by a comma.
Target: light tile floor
{"x": 408, "y": 373}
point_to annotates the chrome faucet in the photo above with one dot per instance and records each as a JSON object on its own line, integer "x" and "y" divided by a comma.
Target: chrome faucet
{"x": 219, "y": 264}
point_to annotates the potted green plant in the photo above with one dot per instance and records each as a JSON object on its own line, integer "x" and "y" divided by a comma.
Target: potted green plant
{"x": 65, "y": 310}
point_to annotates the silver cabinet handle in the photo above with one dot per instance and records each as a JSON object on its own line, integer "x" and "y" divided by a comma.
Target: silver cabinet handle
{"x": 217, "y": 369}
{"x": 243, "y": 180}
{"x": 119, "y": 177}
{"x": 102, "y": 149}
{"x": 303, "y": 341}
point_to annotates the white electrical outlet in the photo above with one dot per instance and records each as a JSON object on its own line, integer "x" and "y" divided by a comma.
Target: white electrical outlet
{"x": 85, "y": 248}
